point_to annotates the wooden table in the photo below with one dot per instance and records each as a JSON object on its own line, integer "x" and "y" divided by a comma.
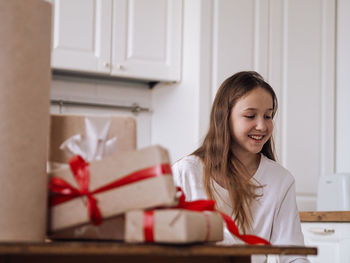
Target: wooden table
{"x": 104, "y": 252}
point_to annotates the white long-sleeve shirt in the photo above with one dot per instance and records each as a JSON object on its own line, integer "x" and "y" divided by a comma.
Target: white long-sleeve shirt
{"x": 275, "y": 215}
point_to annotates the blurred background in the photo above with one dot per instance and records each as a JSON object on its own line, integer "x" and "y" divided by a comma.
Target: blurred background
{"x": 162, "y": 61}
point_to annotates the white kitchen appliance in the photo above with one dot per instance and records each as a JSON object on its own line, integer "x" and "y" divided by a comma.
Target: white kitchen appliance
{"x": 334, "y": 193}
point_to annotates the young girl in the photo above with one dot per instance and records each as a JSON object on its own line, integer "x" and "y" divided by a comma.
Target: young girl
{"x": 236, "y": 165}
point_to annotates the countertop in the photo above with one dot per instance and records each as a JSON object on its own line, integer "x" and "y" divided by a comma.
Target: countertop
{"x": 325, "y": 216}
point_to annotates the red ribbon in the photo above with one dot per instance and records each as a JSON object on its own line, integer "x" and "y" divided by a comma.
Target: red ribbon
{"x": 203, "y": 205}
{"x": 148, "y": 223}
{"x": 81, "y": 172}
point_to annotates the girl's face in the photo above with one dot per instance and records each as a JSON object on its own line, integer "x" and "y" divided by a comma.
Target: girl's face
{"x": 251, "y": 122}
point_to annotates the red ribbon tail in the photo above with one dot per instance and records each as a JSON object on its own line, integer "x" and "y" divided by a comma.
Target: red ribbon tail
{"x": 230, "y": 224}
{"x": 209, "y": 205}
{"x": 254, "y": 240}
{"x": 199, "y": 205}
{"x": 249, "y": 239}
{"x": 94, "y": 211}
{"x": 148, "y": 223}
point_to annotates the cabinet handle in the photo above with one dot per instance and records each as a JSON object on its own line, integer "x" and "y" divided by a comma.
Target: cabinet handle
{"x": 321, "y": 231}
{"x": 107, "y": 65}
{"x": 120, "y": 67}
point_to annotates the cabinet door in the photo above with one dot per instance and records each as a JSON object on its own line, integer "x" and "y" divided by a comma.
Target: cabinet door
{"x": 82, "y": 35}
{"x": 328, "y": 238}
{"x": 147, "y": 39}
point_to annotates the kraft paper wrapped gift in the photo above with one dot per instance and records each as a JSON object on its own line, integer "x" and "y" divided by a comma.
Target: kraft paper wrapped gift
{"x": 109, "y": 229}
{"x": 25, "y": 75}
{"x": 175, "y": 226}
{"x": 151, "y": 192}
{"x": 63, "y": 127}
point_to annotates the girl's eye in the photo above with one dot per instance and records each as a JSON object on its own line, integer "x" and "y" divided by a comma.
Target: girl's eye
{"x": 250, "y": 116}
{"x": 268, "y": 117}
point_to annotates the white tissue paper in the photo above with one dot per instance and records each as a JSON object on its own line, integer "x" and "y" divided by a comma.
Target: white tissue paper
{"x": 94, "y": 145}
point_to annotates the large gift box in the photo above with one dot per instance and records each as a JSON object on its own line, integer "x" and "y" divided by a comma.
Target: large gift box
{"x": 119, "y": 131}
{"x": 137, "y": 179}
{"x": 173, "y": 226}
{"x": 25, "y": 48}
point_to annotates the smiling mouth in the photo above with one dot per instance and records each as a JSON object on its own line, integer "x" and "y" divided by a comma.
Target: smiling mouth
{"x": 256, "y": 137}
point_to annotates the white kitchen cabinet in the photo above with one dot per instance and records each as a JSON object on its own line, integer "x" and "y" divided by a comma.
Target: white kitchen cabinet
{"x": 82, "y": 35}
{"x": 124, "y": 38}
{"x": 331, "y": 239}
{"x": 147, "y": 39}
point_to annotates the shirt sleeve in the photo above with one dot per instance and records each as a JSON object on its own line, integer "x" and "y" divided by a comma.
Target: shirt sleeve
{"x": 188, "y": 174}
{"x": 179, "y": 176}
{"x": 286, "y": 226}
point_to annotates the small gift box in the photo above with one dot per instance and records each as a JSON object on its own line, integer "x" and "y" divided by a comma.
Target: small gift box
{"x": 173, "y": 226}
{"x": 106, "y": 188}
{"x": 117, "y": 134}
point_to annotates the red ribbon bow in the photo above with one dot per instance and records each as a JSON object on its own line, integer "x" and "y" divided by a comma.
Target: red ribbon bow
{"x": 81, "y": 172}
{"x": 201, "y": 205}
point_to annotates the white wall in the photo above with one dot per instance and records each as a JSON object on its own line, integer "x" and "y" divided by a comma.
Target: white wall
{"x": 181, "y": 110}
{"x": 342, "y": 160}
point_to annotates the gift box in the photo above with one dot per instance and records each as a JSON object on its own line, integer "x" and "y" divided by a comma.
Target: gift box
{"x": 148, "y": 179}
{"x": 101, "y": 128}
{"x": 25, "y": 48}
{"x": 173, "y": 226}
{"x": 110, "y": 229}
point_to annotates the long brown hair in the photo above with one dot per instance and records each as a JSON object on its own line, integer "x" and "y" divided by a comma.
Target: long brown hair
{"x": 216, "y": 151}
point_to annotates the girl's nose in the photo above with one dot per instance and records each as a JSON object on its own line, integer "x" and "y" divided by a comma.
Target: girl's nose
{"x": 261, "y": 124}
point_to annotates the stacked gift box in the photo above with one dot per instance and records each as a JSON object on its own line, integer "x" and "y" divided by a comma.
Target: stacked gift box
{"x": 112, "y": 191}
